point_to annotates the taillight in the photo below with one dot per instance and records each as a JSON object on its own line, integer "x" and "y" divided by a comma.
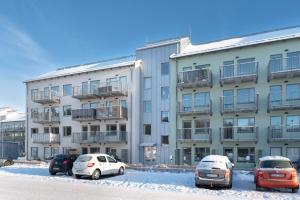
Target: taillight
{"x": 66, "y": 162}
{"x": 197, "y": 173}
{"x": 259, "y": 173}
{"x": 90, "y": 164}
{"x": 227, "y": 173}
{"x": 294, "y": 173}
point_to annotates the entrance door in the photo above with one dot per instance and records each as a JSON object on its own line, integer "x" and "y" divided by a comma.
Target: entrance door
{"x": 187, "y": 130}
{"x": 46, "y": 152}
{"x": 84, "y": 135}
{"x": 229, "y": 153}
{"x": 293, "y": 154}
{"x": 187, "y": 156}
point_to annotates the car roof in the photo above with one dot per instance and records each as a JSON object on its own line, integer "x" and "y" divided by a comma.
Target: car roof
{"x": 95, "y": 154}
{"x": 215, "y": 158}
{"x": 274, "y": 158}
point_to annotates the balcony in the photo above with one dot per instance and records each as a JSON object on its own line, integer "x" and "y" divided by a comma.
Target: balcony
{"x": 111, "y": 112}
{"x": 84, "y": 114}
{"x": 112, "y": 89}
{"x": 46, "y": 118}
{"x": 289, "y": 133}
{"x": 239, "y": 134}
{"x": 198, "y": 109}
{"x": 82, "y": 94}
{"x": 284, "y": 68}
{"x": 195, "y": 78}
{"x": 45, "y": 97}
{"x": 194, "y": 135}
{"x": 240, "y": 73}
{"x": 100, "y": 137}
{"x": 238, "y": 104}
{"x": 45, "y": 138}
{"x": 285, "y": 104}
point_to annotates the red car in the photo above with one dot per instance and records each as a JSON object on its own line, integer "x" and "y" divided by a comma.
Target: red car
{"x": 276, "y": 172}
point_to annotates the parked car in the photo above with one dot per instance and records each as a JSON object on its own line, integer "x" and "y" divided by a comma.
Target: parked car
{"x": 276, "y": 172}
{"x": 95, "y": 165}
{"x": 214, "y": 170}
{"x": 62, "y": 163}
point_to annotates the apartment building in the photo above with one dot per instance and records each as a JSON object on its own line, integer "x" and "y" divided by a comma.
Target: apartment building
{"x": 12, "y": 127}
{"x": 238, "y": 97}
{"x": 86, "y": 107}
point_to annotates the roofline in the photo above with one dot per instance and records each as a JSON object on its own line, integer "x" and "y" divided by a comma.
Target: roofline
{"x": 160, "y": 43}
{"x": 264, "y": 41}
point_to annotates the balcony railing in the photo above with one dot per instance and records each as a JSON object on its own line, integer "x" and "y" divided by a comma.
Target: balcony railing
{"x": 283, "y": 104}
{"x": 45, "y": 97}
{"x": 112, "y": 89}
{"x": 239, "y": 134}
{"x": 100, "y": 137}
{"x": 79, "y": 92}
{"x": 284, "y": 68}
{"x": 195, "y": 78}
{"x": 194, "y": 135}
{"x": 84, "y": 114}
{"x": 45, "y": 138}
{"x": 196, "y": 109}
{"x": 284, "y": 133}
{"x": 111, "y": 112}
{"x": 46, "y": 118}
{"x": 239, "y": 104}
{"x": 240, "y": 73}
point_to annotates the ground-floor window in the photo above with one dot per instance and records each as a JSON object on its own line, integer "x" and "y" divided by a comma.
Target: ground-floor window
{"x": 111, "y": 151}
{"x": 124, "y": 155}
{"x": 293, "y": 153}
{"x": 229, "y": 153}
{"x": 84, "y": 150}
{"x": 150, "y": 153}
{"x": 66, "y": 150}
{"x": 275, "y": 151}
{"x": 34, "y": 152}
{"x": 95, "y": 150}
{"x": 246, "y": 155}
{"x": 54, "y": 151}
{"x": 201, "y": 152}
{"x": 187, "y": 155}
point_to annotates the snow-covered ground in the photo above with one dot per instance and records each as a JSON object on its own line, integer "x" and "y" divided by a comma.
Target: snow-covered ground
{"x": 243, "y": 186}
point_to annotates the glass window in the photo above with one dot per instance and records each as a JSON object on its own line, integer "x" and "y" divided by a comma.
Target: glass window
{"x": 228, "y": 69}
{"x": 246, "y": 125}
{"x": 293, "y": 123}
{"x": 85, "y": 88}
{"x": 67, "y": 110}
{"x": 111, "y": 160}
{"x": 95, "y": 150}
{"x": 293, "y": 92}
{"x": 55, "y": 90}
{"x": 229, "y": 153}
{"x": 165, "y": 92}
{"x": 246, "y": 66}
{"x": 275, "y": 121}
{"x": 164, "y": 116}
{"x": 34, "y": 113}
{"x": 101, "y": 159}
{"x": 34, "y": 152}
{"x": 85, "y": 106}
{"x": 275, "y": 94}
{"x": 201, "y": 99}
{"x": 201, "y": 152}
{"x": 94, "y": 86}
{"x": 67, "y": 130}
{"x": 34, "y": 130}
{"x": 147, "y": 83}
{"x": 228, "y": 99}
{"x": 34, "y": 94}
{"x": 123, "y": 82}
{"x": 202, "y": 126}
{"x": 187, "y": 102}
{"x": 275, "y": 63}
{"x": 246, "y": 155}
{"x": 94, "y": 105}
{"x": 246, "y": 95}
{"x": 147, "y": 129}
{"x": 67, "y": 90}
{"x": 111, "y": 81}
{"x": 293, "y": 60}
{"x": 164, "y": 140}
{"x": 293, "y": 153}
{"x": 165, "y": 68}
{"x": 147, "y": 106}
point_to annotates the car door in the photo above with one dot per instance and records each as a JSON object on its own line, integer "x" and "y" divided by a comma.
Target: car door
{"x": 103, "y": 165}
{"x": 113, "y": 165}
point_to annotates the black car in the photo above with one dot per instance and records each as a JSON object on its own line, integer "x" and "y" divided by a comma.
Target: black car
{"x": 62, "y": 163}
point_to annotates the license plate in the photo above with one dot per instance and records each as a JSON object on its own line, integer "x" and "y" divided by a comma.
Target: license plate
{"x": 212, "y": 175}
{"x": 55, "y": 168}
{"x": 277, "y": 175}
{"x": 79, "y": 171}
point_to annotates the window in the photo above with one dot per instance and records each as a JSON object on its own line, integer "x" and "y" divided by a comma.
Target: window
{"x": 164, "y": 140}
{"x": 34, "y": 131}
{"x": 101, "y": 158}
{"x": 202, "y": 126}
{"x": 293, "y": 60}
{"x": 293, "y": 91}
{"x": 34, "y": 152}
{"x": 111, "y": 160}
{"x": 55, "y": 90}
{"x": 246, "y": 125}
{"x": 147, "y": 83}
{"x": 164, "y": 116}
{"x": 94, "y": 86}
{"x": 246, "y": 155}
{"x": 228, "y": 99}
{"x": 111, "y": 81}
{"x": 67, "y": 110}
{"x": 46, "y": 130}
{"x": 95, "y": 150}
{"x": 201, "y": 153}
{"x": 186, "y": 69}
{"x": 293, "y": 153}
{"x": 201, "y": 99}
{"x": 147, "y": 106}
{"x": 229, "y": 153}
{"x": 246, "y": 95}
{"x": 187, "y": 102}
{"x": 94, "y": 105}
{"x": 147, "y": 129}
{"x": 55, "y": 130}
{"x": 275, "y": 63}
{"x": 293, "y": 123}
{"x": 275, "y": 95}
{"x": 67, "y": 90}
{"x": 85, "y": 106}
{"x": 34, "y": 113}
{"x": 165, "y": 92}
{"x": 111, "y": 130}
{"x": 85, "y": 88}
{"x": 66, "y": 150}
{"x": 67, "y": 130}
{"x": 34, "y": 94}
{"x": 246, "y": 66}
{"x": 123, "y": 82}
{"x": 228, "y": 69}
{"x": 165, "y": 68}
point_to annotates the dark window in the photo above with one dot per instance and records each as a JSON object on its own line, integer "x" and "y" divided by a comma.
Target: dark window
{"x": 201, "y": 153}
{"x": 147, "y": 129}
{"x": 67, "y": 90}
{"x": 246, "y": 155}
{"x": 67, "y": 130}
{"x": 165, "y": 139}
{"x": 101, "y": 158}
{"x": 111, "y": 160}
{"x": 165, "y": 116}
{"x": 67, "y": 110}
{"x": 165, "y": 68}
{"x": 276, "y": 164}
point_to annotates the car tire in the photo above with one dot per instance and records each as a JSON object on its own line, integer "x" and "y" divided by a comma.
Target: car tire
{"x": 69, "y": 172}
{"x": 230, "y": 185}
{"x": 7, "y": 163}
{"x": 257, "y": 187}
{"x": 96, "y": 174}
{"x": 52, "y": 173}
{"x": 198, "y": 185}
{"x": 121, "y": 171}
{"x": 295, "y": 190}
{"x": 77, "y": 176}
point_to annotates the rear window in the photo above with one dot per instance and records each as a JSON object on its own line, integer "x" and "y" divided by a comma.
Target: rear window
{"x": 83, "y": 158}
{"x": 275, "y": 164}
{"x": 60, "y": 157}
{"x": 212, "y": 165}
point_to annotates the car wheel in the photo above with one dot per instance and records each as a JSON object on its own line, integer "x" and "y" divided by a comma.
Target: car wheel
{"x": 6, "y": 163}
{"x": 121, "y": 171}
{"x": 96, "y": 174}
{"x": 295, "y": 190}
{"x": 257, "y": 187}
{"x": 77, "y": 176}
{"x": 70, "y": 173}
{"x": 230, "y": 185}
{"x": 197, "y": 185}
{"x": 52, "y": 173}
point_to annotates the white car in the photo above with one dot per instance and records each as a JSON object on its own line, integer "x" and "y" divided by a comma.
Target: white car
{"x": 95, "y": 165}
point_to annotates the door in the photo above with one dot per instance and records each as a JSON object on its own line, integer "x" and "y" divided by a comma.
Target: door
{"x": 229, "y": 153}
{"x": 228, "y": 128}
{"x": 47, "y": 152}
{"x": 124, "y": 155}
{"x": 113, "y": 165}
{"x": 187, "y": 130}
{"x": 228, "y": 69}
{"x": 187, "y": 156}
{"x": 293, "y": 154}
{"x": 275, "y": 128}
{"x": 103, "y": 165}
{"x": 228, "y": 100}
{"x": 84, "y": 135}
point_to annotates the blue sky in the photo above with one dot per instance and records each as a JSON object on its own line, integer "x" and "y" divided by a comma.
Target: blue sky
{"x": 37, "y": 36}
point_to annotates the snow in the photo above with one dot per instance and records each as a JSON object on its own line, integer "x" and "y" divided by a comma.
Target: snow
{"x": 259, "y": 38}
{"x": 274, "y": 158}
{"x": 243, "y": 186}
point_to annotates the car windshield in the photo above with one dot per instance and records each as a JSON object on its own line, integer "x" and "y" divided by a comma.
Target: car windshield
{"x": 276, "y": 164}
{"x": 212, "y": 165}
{"x": 83, "y": 158}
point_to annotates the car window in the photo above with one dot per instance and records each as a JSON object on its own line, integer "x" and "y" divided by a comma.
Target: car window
{"x": 212, "y": 165}
{"x": 111, "y": 160}
{"x": 101, "y": 158}
{"x": 276, "y": 164}
{"x": 83, "y": 158}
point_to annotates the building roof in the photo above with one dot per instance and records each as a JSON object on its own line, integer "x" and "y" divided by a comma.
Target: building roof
{"x": 242, "y": 41}
{"x": 163, "y": 42}
{"x": 11, "y": 115}
{"x": 89, "y": 67}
